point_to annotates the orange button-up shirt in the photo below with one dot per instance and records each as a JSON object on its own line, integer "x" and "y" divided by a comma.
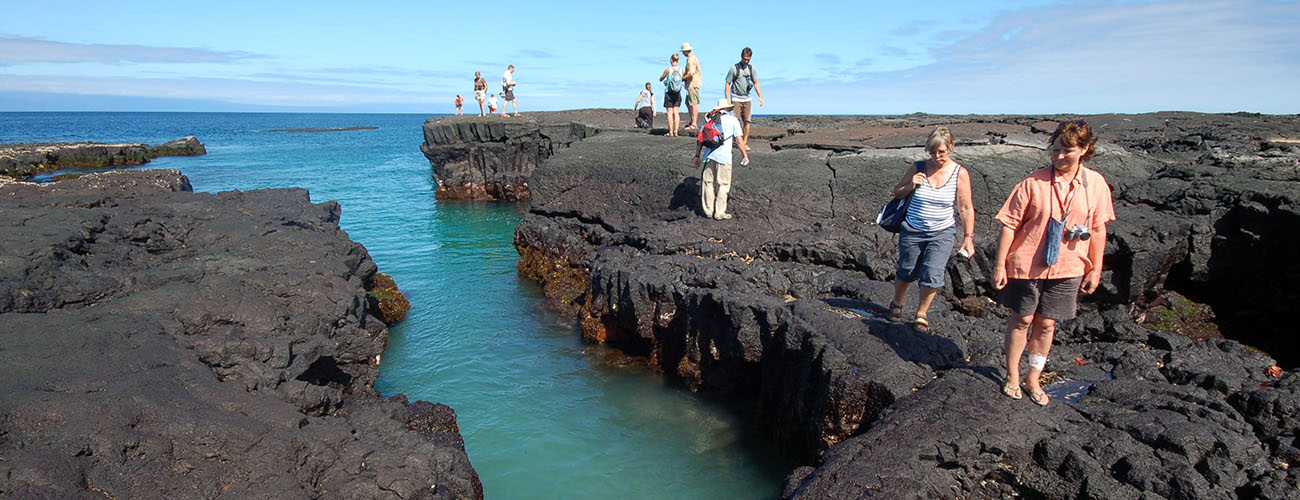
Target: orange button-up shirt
{"x": 1033, "y": 201}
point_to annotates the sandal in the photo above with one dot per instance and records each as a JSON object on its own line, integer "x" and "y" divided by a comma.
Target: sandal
{"x": 921, "y": 325}
{"x": 1012, "y": 391}
{"x": 1037, "y": 396}
{"x": 895, "y": 312}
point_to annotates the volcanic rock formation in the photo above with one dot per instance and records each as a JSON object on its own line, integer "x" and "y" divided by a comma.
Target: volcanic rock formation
{"x": 784, "y": 304}
{"x": 160, "y": 343}
{"x": 22, "y": 161}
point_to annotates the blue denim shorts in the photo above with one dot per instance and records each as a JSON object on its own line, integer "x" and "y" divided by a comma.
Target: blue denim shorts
{"x": 923, "y": 255}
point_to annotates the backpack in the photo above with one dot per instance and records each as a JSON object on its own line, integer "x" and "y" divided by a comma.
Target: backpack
{"x": 711, "y": 135}
{"x": 674, "y": 81}
{"x": 747, "y": 75}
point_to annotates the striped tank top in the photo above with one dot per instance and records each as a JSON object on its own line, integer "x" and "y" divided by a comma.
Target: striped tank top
{"x": 931, "y": 208}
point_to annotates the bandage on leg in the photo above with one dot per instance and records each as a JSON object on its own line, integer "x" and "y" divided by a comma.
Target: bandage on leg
{"x": 1036, "y": 361}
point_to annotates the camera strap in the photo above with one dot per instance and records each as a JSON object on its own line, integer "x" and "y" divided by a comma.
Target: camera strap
{"x": 1068, "y": 205}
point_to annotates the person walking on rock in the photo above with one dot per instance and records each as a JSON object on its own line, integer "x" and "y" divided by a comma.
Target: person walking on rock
{"x": 508, "y": 90}
{"x": 740, "y": 80}
{"x": 925, "y": 241}
{"x": 715, "y": 178}
{"x": 645, "y": 106}
{"x": 460, "y": 101}
{"x": 693, "y": 83}
{"x": 492, "y": 104}
{"x": 480, "y": 91}
{"x": 1051, "y": 248}
{"x": 673, "y": 86}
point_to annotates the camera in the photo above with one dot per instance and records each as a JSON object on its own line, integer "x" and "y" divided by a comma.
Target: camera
{"x": 1078, "y": 232}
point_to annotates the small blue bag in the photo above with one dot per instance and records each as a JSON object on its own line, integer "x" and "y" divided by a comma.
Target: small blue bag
{"x": 1055, "y": 231}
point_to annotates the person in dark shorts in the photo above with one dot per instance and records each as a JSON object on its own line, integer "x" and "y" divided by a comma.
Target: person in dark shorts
{"x": 508, "y": 90}
{"x": 1051, "y": 248}
{"x": 645, "y": 106}
{"x": 672, "y": 79}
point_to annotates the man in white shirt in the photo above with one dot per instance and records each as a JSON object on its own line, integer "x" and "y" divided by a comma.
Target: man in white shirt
{"x": 508, "y": 90}
{"x": 715, "y": 178}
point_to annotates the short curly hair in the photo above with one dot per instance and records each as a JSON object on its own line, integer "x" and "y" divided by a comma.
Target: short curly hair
{"x": 940, "y": 136}
{"x": 1075, "y": 133}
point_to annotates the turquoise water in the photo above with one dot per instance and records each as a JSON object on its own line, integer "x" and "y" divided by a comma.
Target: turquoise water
{"x": 544, "y": 415}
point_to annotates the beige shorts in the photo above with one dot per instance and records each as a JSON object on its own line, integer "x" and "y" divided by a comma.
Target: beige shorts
{"x": 480, "y": 95}
{"x": 743, "y": 110}
{"x": 692, "y": 96}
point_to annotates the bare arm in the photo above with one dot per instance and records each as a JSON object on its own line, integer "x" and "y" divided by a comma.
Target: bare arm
{"x": 966, "y": 210}
{"x": 665, "y": 75}
{"x": 759, "y": 91}
{"x": 1000, "y": 263}
{"x": 1096, "y": 252}
{"x": 909, "y": 182}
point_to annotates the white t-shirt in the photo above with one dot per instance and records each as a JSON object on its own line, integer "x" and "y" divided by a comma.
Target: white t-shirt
{"x": 508, "y": 78}
{"x": 730, "y": 129}
{"x": 645, "y": 99}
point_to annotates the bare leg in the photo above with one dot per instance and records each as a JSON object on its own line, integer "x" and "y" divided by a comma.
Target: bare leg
{"x": 1040, "y": 343}
{"x": 927, "y": 296}
{"x": 896, "y": 306}
{"x": 900, "y": 291}
{"x": 1017, "y": 334}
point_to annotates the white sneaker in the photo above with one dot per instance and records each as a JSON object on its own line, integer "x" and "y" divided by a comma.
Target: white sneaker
{"x": 723, "y": 217}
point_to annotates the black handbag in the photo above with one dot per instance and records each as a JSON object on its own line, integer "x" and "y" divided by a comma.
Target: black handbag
{"x": 892, "y": 214}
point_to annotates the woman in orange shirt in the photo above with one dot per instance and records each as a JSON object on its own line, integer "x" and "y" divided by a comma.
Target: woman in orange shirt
{"x": 1051, "y": 248}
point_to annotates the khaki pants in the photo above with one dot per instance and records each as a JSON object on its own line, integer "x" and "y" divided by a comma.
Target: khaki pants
{"x": 715, "y": 176}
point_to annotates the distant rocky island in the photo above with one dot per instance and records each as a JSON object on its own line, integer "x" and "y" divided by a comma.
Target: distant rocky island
{"x": 161, "y": 343}
{"x": 313, "y": 130}
{"x": 22, "y": 161}
{"x": 783, "y": 305}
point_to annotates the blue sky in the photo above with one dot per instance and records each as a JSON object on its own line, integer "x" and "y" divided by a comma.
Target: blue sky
{"x": 811, "y": 57}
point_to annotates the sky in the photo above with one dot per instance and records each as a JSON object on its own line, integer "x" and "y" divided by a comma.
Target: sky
{"x": 810, "y": 57}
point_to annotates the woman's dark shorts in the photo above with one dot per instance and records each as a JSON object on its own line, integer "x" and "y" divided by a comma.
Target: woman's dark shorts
{"x": 672, "y": 99}
{"x": 1057, "y": 299}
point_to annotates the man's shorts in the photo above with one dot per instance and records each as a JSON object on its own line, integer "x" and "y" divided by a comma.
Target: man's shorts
{"x": 693, "y": 96}
{"x": 480, "y": 95}
{"x": 508, "y": 94}
{"x": 1057, "y": 299}
{"x": 743, "y": 110}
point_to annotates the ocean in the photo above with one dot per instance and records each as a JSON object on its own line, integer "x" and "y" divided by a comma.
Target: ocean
{"x": 544, "y": 415}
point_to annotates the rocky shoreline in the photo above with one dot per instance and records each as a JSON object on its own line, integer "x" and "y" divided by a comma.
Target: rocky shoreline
{"x": 22, "y": 161}
{"x": 161, "y": 343}
{"x": 783, "y": 304}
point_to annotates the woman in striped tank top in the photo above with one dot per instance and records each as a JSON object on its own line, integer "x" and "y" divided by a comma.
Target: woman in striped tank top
{"x": 925, "y": 242}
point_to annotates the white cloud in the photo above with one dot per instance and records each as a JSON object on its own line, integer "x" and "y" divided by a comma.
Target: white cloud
{"x": 32, "y": 50}
{"x": 1200, "y": 56}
